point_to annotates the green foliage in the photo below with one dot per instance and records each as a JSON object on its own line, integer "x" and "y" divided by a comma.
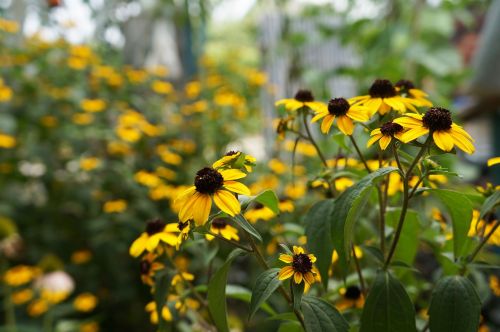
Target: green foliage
{"x": 321, "y": 316}
{"x": 455, "y": 306}
{"x": 265, "y": 285}
{"x": 388, "y": 307}
{"x": 407, "y": 246}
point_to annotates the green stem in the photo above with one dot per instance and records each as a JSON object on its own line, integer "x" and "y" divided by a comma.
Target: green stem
{"x": 481, "y": 244}
{"x": 311, "y": 139}
{"x": 360, "y": 154}
{"x": 234, "y": 243}
{"x": 359, "y": 271}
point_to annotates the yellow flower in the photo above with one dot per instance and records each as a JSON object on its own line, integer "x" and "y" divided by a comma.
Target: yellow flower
{"x": 407, "y": 89}
{"x": 385, "y": 134}
{"x": 352, "y": 297}
{"x": 93, "y": 105}
{"x": 303, "y": 98}
{"x": 89, "y": 163}
{"x": 22, "y": 296}
{"x": 178, "y": 278}
{"x": 147, "y": 179}
{"x": 89, "y": 327}
{"x": 301, "y": 268}
{"x": 382, "y": 98}
{"x": 5, "y": 93}
{"x": 7, "y": 141}
{"x": 81, "y": 256}
{"x": 165, "y": 313}
{"x": 192, "y": 89}
{"x": 85, "y": 302}
{"x": 156, "y": 232}
{"x": 483, "y": 227}
{"x": 493, "y": 161}
{"x": 345, "y": 112}
{"x": 229, "y": 159}
{"x": 149, "y": 267}
{"x": 162, "y": 88}
{"x": 259, "y": 212}
{"x": 221, "y": 227}
{"x": 342, "y": 183}
{"x": 295, "y": 191}
{"x": 38, "y": 307}
{"x": 115, "y": 206}
{"x": 20, "y": 275}
{"x": 82, "y": 118}
{"x": 219, "y": 185}
{"x": 495, "y": 285}
{"x": 436, "y": 122}
{"x": 277, "y": 166}
{"x": 9, "y": 26}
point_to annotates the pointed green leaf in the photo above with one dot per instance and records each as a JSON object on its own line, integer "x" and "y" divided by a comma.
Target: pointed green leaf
{"x": 318, "y": 222}
{"x": 460, "y": 209}
{"x": 321, "y": 316}
{"x": 269, "y": 199}
{"x": 407, "y": 246}
{"x": 348, "y": 208}
{"x": 265, "y": 285}
{"x": 455, "y": 306}
{"x": 297, "y": 292}
{"x": 217, "y": 293}
{"x": 388, "y": 307}
{"x": 243, "y": 223}
{"x": 490, "y": 204}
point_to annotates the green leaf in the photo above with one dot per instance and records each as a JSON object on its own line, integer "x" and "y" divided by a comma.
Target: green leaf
{"x": 388, "y": 307}
{"x": 265, "y": 285}
{"x": 407, "y": 246}
{"x": 455, "y": 306}
{"x": 290, "y": 327}
{"x": 243, "y": 223}
{"x": 321, "y": 316}
{"x": 162, "y": 285}
{"x": 490, "y": 204}
{"x": 318, "y": 221}
{"x": 460, "y": 209}
{"x": 244, "y": 294}
{"x": 348, "y": 208}
{"x": 297, "y": 292}
{"x": 269, "y": 199}
{"x": 217, "y": 293}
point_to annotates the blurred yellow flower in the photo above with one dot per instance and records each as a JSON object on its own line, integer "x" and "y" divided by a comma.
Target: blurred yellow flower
{"x": 493, "y": 161}
{"x": 81, "y": 256}
{"x": 277, "y": 166}
{"x": 89, "y": 163}
{"x": 161, "y": 87}
{"x": 85, "y": 302}
{"x": 165, "y": 313}
{"x": 7, "y": 141}
{"x": 192, "y": 89}
{"x": 93, "y": 105}
{"x": 22, "y": 296}
{"x": 9, "y": 26}
{"x": 20, "y": 275}
{"x": 221, "y": 227}
{"x": 156, "y": 232}
{"x": 82, "y": 118}
{"x": 37, "y": 307}
{"x": 89, "y": 327}
{"x": 115, "y": 206}
{"x": 5, "y": 93}
{"x": 147, "y": 179}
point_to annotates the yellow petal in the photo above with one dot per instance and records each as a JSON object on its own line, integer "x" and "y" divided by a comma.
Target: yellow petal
{"x": 373, "y": 140}
{"x": 297, "y": 277}
{"x": 285, "y": 273}
{"x": 201, "y": 209}
{"x": 373, "y": 104}
{"x": 312, "y": 258}
{"x": 395, "y": 104}
{"x": 414, "y": 133}
{"x": 139, "y": 245}
{"x": 317, "y": 106}
{"x": 319, "y": 116}
{"x": 384, "y": 142}
{"x": 232, "y": 174}
{"x": 227, "y": 202}
{"x": 185, "y": 194}
{"x": 327, "y": 123}
{"x": 186, "y": 211}
{"x": 493, "y": 161}
{"x": 298, "y": 250}
{"x": 237, "y": 187}
{"x": 358, "y": 115}
{"x": 153, "y": 242}
{"x": 462, "y": 142}
{"x": 309, "y": 278}
{"x": 345, "y": 125}
{"x": 443, "y": 140}
{"x": 286, "y": 258}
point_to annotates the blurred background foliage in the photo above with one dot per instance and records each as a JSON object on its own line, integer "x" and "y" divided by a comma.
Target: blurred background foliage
{"x": 107, "y": 108}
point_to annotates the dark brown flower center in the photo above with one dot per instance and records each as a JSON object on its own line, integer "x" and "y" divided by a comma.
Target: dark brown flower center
{"x": 382, "y": 89}
{"x": 154, "y": 226}
{"x": 208, "y": 180}
{"x": 304, "y": 96}
{"x": 390, "y": 128}
{"x": 437, "y": 118}
{"x": 219, "y": 223}
{"x": 490, "y": 218}
{"x": 404, "y": 85}
{"x": 144, "y": 267}
{"x": 301, "y": 263}
{"x": 231, "y": 153}
{"x": 338, "y": 106}
{"x": 352, "y": 293}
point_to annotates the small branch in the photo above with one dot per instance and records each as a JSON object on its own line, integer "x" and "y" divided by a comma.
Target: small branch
{"x": 483, "y": 242}
{"x": 313, "y": 142}
{"x": 234, "y": 243}
{"x": 359, "y": 153}
{"x": 359, "y": 271}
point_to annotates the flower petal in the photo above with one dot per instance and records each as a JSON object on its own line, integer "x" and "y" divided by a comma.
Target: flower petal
{"x": 139, "y": 245}
{"x": 285, "y": 273}
{"x": 298, "y": 250}
{"x": 384, "y": 142}
{"x": 345, "y": 125}
{"x": 414, "y": 133}
{"x": 327, "y": 123}
{"x": 297, "y": 277}
{"x": 232, "y": 174}
{"x": 201, "y": 209}
{"x": 443, "y": 140}
{"x": 227, "y": 202}
{"x": 186, "y": 211}
{"x": 286, "y": 258}
{"x": 373, "y": 140}
{"x": 237, "y": 187}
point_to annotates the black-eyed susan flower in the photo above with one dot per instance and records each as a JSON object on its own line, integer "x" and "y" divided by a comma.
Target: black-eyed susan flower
{"x": 385, "y": 134}
{"x": 382, "y": 97}
{"x": 436, "y": 122}
{"x": 184, "y": 227}
{"x": 300, "y": 268}
{"x": 219, "y": 185}
{"x": 483, "y": 227}
{"x": 345, "y": 112}
{"x": 221, "y": 227}
{"x": 407, "y": 89}
{"x": 303, "y": 98}
{"x": 85, "y": 302}
{"x": 230, "y": 158}
{"x": 352, "y": 297}
{"x": 156, "y": 232}
{"x": 148, "y": 267}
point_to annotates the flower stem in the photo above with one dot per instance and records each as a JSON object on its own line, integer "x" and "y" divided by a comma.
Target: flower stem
{"x": 481, "y": 245}
{"x": 234, "y": 243}
{"x": 359, "y": 271}
{"x": 404, "y": 208}
{"x": 311, "y": 139}
{"x": 359, "y": 153}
